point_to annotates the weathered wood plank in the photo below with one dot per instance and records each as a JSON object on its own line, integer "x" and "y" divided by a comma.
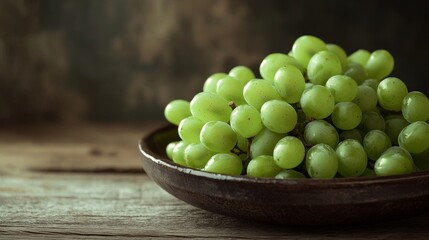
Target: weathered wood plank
{"x": 82, "y": 206}
{"x": 77, "y": 147}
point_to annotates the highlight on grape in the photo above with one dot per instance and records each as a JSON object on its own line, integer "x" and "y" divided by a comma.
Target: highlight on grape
{"x": 314, "y": 112}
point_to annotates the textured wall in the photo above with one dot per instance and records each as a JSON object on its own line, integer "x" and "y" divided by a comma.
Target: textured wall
{"x": 124, "y": 60}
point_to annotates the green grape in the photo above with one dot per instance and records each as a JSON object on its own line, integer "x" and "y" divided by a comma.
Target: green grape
{"x": 371, "y": 83}
{"x": 394, "y": 125}
{"x": 308, "y": 85}
{"x": 415, "y": 107}
{"x": 178, "y": 155}
{"x": 415, "y": 137}
{"x": 263, "y": 166}
{"x": 211, "y": 83}
{"x": 290, "y": 83}
{"x": 169, "y": 149}
{"x": 321, "y": 161}
{"x": 346, "y": 115}
{"x": 421, "y": 160}
{"x": 375, "y": 143}
{"x": 242, "y": 73}
{"x": 224, "y": 163}
{"x": 246, "y": 121}
{"x": 264, "y": 143}
{"x": 356, "y": 71}
{"x": 274, "y": 61}
{"x": 343, "y": 88}
{"x": 189, "y": 129}
{"x": 361, "y": 56}
{"x": 341, "y": 54}
{"x": 176, "y": 111}
{"x": 210, "y": 107}
{"x": 258, "y": 91}
{"x": 380, "y": 64}
{"x": 197, "y": 155}
{"x": 322, "y": 66}
{"x": 394, "y": 161}
{"x": 317, "y": 102}
{"x": 352, "y": 160}
{"x": 390, "y": 92}
{"x": 289, "y": 152}
{"x": 305, "y": 47}
{"x": 289, "y": 174}
{"x": 352, "y": 134}
{"x": 278, "y": 116}
{"x": 302, "y": 118}
{"x": 231, "y": 89}
{"x": 218, "y": 136}
{"x": 242, "y": 143}
{"x": 320, "y": 131}
{"x": 372, "y": 121}
{"x": 366, "y": 98}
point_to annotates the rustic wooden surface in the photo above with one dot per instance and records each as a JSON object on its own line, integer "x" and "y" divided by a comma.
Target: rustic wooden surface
{"x": 86, "y": 182}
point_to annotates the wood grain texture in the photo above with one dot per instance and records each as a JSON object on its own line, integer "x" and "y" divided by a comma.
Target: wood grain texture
{"x": 73, "y": 147}
{"x": 82, "y": 206}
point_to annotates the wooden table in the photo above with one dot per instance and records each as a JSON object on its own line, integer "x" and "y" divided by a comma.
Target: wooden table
{"x": 85, "y": 181}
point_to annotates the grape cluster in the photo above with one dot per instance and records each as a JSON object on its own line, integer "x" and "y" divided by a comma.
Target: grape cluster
{"x": 316, "y": 112}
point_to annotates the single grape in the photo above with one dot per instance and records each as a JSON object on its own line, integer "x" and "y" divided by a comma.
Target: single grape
{"x": 264, "y": 143}
{"x": 361, "y": 56}
{"x": 242, "y": 73}
{"x": 322, "y": 66}
{"x": 370, "y": 82}
{"x": 263, "y": 166}
{"x": 224, "y": 163}
{"x": 278, "y": 116}
{"x": 343, "y": 88}
{"x": 320, "y": 131}
{"x": 169, "y": 149}
{"x": 231, "y": 89}
{"x": 289, "y": 174}
{"x": 355, "y": 134}
{"x": 274, "y": 61}
{"x": 289, "y": 152}
{"x": 197, "y": 155}
{"x": 317, "y": 102}
{"x": 246, "y": 121}
{"x": 242, "y": 143}
{"x": 218, "y": 136}
{"x": 415, "y": 137}
{"x": 178, "y": 155}
{"x": 321, "y": 161}
{"x": 290, "y": 83}
{"x": 189, "y": 129}
{"x": 352, "y": 159}
{"x": 394, "y": 125}
{"x": 380, "y": 64}
{"x": 258, "y": 91}
{"x": 375, "y": 143}
{"x": 415, "y": 107}
{"x": 394, "y": 161}
{"x": 356, "y": 71}
{"x": 391, "y": 92}
{"x": 176, "y": 111}
{"x": 341, "y": 54}
{"x": 210, "y": 107}
{"x": 211, "y": 82}
{"x": 346, "y": 115}
{"x": 372, "y": 121}
{"x": 305, "y": 47}
{"x": 366, "y": 98}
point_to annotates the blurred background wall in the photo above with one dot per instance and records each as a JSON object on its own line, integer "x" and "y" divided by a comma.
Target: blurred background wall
{"x": 107, "y": 60}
